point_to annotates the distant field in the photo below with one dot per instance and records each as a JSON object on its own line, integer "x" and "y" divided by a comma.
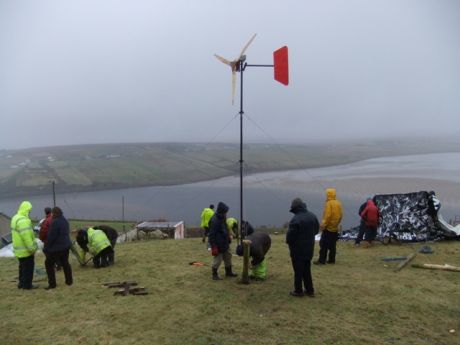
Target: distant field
{"x": 111, "y": 166}
{"x": 360, "y": 300}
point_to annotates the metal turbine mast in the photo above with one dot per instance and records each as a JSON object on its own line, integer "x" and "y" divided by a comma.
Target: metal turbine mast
{"x": 281, "y": 74}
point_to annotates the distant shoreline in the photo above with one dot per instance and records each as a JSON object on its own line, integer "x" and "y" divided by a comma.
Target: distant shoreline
{"x": 91, "y": 168}
{"x": 268, "y": 195}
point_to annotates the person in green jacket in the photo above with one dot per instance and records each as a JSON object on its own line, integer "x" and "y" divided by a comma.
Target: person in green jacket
{"x": 24, "y": 245}
{"x": 232, "y": 226}
{"x": 95, "y": 242}
{"x": 206, "y": 216}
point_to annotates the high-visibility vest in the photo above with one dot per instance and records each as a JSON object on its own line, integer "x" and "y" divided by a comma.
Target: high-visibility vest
{"x": 206, "y": 216}
{"x": 97, "y": 241}
{"x": 22, "y": 233}
{"x": 232, "y": 223}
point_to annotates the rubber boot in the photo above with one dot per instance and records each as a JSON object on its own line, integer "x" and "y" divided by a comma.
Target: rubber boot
{"x": 229, "y": 273}
{"x": 215, "y": 275}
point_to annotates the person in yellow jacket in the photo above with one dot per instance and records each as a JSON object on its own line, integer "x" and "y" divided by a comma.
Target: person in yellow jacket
{"x": 206, "y": 216}
{"x": 330, "y": 225}
{"x": 97, "y": 243}
{"x": 24, "y": 245}
{"x": 232, "y": 226}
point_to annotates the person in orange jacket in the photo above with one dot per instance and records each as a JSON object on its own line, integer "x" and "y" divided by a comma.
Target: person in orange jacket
{"x": 330, "y": 224}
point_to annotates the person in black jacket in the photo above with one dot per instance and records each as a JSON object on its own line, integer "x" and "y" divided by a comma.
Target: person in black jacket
{"x": 112, "y": 235}
{"x": 219, "y": 239}
{"x": 301, "y": 240}
{"x": 362, "y": 226}
{"x": 57, "y": 248}
{"x": 260, "y": 244}
{"x": 246, "y": 229}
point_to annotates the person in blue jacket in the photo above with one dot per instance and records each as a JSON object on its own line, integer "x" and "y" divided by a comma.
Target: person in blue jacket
{"x": 57, "y": 248}
{"x": 219, "y": 239}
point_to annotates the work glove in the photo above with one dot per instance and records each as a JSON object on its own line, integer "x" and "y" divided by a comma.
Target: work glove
{"x": 214, "y": 251}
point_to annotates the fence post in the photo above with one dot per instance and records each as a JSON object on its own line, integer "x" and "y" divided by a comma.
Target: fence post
{"x": 246, "y": 250}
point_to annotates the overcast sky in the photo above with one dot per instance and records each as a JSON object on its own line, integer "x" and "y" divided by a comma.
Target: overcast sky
{"x": 76, "y": 72}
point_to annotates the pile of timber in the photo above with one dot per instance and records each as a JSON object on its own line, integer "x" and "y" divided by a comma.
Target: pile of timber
{"x": 127, "y": 288}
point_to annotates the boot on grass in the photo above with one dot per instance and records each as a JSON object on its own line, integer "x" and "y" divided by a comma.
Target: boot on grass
{"x": 229, "y": 273}
{"x": 215, "y": 275}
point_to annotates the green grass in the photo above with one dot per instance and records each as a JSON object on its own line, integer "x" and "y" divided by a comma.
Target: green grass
{"x": 117, "y": 225}
{"x": 360, "y": 300}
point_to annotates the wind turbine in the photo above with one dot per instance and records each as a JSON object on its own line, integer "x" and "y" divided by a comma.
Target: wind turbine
{"x": 281, "y": 74}
{"x": 235, "y": 65}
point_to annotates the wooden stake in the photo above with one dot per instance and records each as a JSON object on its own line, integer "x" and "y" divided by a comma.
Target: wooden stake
{"x": 405, "y": 262}
{"x": 444, "y": 267}
{"x": 246, "y": 250}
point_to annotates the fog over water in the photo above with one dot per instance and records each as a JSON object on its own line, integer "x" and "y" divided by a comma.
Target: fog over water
{"x": 267, "y": 196}
{"x": 112, "y": 71}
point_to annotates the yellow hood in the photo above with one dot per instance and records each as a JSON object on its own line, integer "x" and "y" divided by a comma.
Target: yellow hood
{"x": 25, "y": 208}
{"x": 330, "y": 194}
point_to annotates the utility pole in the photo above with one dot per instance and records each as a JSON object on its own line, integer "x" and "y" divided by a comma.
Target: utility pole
{"x": 54, "y": 194}
{"x": 123, "y": 212}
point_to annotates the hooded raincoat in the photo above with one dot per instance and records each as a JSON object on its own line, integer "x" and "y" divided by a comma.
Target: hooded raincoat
{"x": 218, "y": 232}
{"x": 24, "y": 244}
{"x": 332, "y": 214}
{"x": 300, "y": 237}
{"x": 97, "y": 241}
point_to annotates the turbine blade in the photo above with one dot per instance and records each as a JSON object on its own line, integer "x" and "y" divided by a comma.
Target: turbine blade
{"x": 233, "y": 86}
{"x": 221, "y": 59}
{"x": 246, "y": 47}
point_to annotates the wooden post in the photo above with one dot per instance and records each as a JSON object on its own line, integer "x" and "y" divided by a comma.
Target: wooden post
{"x": 405, "y": 262}
{"x": 246, "y": 250}
{"x": 444, "y": 267}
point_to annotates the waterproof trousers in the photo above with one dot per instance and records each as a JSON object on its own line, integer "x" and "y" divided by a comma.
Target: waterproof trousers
{"x": 26, "y": 272}
{"x": 226, "y": 257}
{"x": 327, "y": 245}
{"x": 362, "y": 230}
{"x": 302, "y": 273}
{"x": 52, "y": 258}
{"x": 259, "y": 271}
{"x": 371, "y": 233}
{"x": 102, "y": 259}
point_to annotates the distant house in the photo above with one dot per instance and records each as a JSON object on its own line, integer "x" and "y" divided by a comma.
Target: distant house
{"x": 5, "y": 231}
{"x": 174, "y": 230}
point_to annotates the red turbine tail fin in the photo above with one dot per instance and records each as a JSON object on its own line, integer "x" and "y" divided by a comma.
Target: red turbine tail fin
{"x": 281, "y": 65}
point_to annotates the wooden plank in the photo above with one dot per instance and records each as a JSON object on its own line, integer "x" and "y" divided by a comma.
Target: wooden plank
{"x": 393, "y": 258}
{"x": 444, "y": 267}
{"x": 120, "y": 284}
{"x": 405, "y": 262}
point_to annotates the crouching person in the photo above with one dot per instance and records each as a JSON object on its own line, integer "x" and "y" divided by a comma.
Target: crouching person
{"x": 95, "y": 242}
{"x": 219, "y": 239}
{"x": 112, "y": 235}
{"x": 260, "y": 244}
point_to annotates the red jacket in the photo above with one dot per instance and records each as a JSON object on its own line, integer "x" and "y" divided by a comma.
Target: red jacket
{"x": 370, "y": 215}
{"x": 44, "y": 227}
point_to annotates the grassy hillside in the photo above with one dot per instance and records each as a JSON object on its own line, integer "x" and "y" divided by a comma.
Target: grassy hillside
{"x": 360, "y": 300}
{"x": 110, "y": 166}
